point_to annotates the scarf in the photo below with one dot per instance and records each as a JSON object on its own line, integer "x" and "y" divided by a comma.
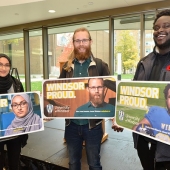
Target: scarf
{"x": 30, "y": 122}
{"x": 5, "y": 83}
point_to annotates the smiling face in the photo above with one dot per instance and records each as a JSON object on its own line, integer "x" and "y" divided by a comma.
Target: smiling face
{"x": 19, "y": 106}
{"x": 82, "y": 49}
{"x": 4, "y": 67}
{"x": 161, "y": 33}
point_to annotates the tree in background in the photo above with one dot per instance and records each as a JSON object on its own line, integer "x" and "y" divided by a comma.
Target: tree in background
{"x": 7, "y": 44}
{"x": 127, "y": 46}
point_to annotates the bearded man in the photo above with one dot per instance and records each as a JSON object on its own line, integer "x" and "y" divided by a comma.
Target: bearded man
{"x": 81, "y": 63}
{"x": 96, "y": 107}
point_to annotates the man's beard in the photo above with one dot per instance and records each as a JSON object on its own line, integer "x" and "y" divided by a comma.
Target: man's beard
{"x": 163, "y": 46}
{"x": 96, "y": 101}
{"x": 82, "y": 55}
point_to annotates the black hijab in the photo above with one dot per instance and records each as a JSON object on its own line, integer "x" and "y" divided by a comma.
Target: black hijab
{"x": 5, "y": 82}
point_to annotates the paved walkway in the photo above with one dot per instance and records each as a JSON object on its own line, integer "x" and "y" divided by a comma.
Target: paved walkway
{"x": 117, "y": 152}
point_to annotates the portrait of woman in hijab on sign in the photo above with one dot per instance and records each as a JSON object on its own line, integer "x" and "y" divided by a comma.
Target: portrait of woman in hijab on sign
{"x": 25, "y": 119}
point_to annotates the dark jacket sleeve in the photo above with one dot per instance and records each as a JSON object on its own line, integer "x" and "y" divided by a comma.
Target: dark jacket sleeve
{"x": 105, "y": 71}
{"x": 137, "y": 71}
{"x": 100, "y": 69}
{"x": 63, "y": 71}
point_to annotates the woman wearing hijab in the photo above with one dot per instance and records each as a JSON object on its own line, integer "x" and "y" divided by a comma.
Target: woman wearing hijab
{"x": 25, "y": 119}
{"x": 9, "y": 84}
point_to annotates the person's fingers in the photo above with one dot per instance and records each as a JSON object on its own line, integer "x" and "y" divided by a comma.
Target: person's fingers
{"x": 117, "y": 128}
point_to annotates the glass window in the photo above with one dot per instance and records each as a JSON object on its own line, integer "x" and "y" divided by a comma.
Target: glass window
{"x": 12, "y": 45}
{"x": 126, "y": 47}
{"x": 36, "y": 60}
{"x": 148, "y": 35}
{"x": 149, "y": 43}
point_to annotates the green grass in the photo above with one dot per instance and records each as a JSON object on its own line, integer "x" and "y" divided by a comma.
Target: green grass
{"x": 21, "y": 77}
{"x": 35, "y": 86}
{"x": 126, "y": 76}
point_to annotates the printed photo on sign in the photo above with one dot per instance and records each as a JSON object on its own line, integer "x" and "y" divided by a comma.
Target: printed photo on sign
{"x": 80, "y": 97}
{"x": 144, "y": 107}
{"x": 20, "y": 113}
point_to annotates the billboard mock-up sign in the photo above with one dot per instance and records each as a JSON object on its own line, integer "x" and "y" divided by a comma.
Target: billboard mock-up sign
{"x": 144, "y": 108}
{"x": 79, "y": 97}
{"x": 20, "y": 113}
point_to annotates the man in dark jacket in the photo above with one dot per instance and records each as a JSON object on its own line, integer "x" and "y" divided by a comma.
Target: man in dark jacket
{"x": 81, "y": 63}
{"x": 155, "y": 67}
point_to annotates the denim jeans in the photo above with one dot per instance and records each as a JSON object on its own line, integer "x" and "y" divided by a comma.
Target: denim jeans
{"x": 75, "y": 135}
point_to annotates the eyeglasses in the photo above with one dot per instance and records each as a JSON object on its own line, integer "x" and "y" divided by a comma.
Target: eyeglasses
{"x": 22, "y": 104}
{"x": 84, "y": 41}
{"x": 4, "y": 65}
{"x": 164, "y": 26}
{"x": 93, "y": 88}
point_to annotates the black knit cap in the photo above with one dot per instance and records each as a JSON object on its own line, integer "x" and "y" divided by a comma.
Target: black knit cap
{"x": 5, "y": 56}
